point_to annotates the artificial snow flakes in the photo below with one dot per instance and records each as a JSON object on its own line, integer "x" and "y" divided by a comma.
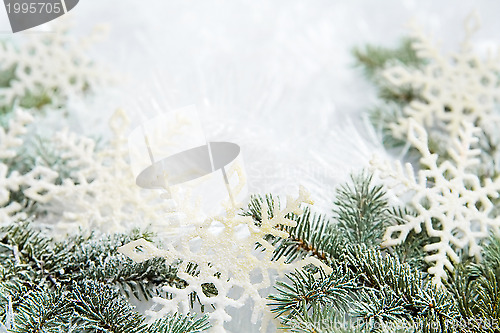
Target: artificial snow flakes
{"x": 100, "y": 192}
{"x": 453, "y": 89}
{"x": 37, "y": 184}
{"x": 223, "y": 252}
{"x": 47, "y": 68}
{"x": 452, "y": 203}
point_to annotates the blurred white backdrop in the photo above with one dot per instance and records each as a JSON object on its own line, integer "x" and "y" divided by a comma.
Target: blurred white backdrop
{"x": 276, "y": 77}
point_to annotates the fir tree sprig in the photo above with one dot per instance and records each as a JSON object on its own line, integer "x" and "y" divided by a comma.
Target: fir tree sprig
{"x": 80, "y": 284}
{"x": 309, "y": 290}
{"x": 312, "y": 235}
{"x": 375, "y": 289}
{"x": 88, "y": 307}
{"x": 362, "y": 211}
{"x": 373, "y": 59}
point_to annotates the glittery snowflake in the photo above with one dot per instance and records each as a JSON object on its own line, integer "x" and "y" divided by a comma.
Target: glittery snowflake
{"x": 452, "y": 89}
{"x": 100, "y": 192}
{"x": 224, "y": 250}
{"x": 37, "y": 184}
{"x": 452, "y": 203}
{"x": 46, "y": 68}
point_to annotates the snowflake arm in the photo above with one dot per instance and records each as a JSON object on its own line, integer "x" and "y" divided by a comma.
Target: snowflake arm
{"x": 11, "y": 138}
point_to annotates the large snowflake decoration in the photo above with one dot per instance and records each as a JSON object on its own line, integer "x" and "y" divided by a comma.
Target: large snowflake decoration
{"x": 100, "y": 191}
{"x": 453, "y": 204}
{"x": 452, "y": 89}
{"x": 223, "y": 250}
{"x": 46, "y": 68}
{"x": 37, "y": 184}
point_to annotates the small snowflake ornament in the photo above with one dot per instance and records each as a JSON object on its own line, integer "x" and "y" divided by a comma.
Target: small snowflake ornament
{"x": 452, "y": 203}
{"x": 452, "y": 89}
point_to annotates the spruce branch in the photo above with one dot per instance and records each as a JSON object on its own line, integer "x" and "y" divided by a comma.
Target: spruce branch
{"x": 373, "y": 58}
{"x": 379, "y": 307}
{"x": 308, "y": 290}
{"x": 29, "y": 255}
{"x": 386, "y": 272}
{"x": 361, "y": 211}
{"x": 410, "y": 251}
{"x": 255, "y": 205}
{"x": 102, "y": 308}
{"x": 42, "y": 311}
{"x": 314, "y": 234}
{"x": 491, "y": 254}
{"x": 180, "y": 324}
{"x": 476, "y": 291}
{"x": 80, "y": 284}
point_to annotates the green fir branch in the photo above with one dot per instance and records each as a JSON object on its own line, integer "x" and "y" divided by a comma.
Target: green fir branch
{"x": 180, "y": 324}
{"x": 308, "y": 290}
{"x": 371, "y": 59}
{"x": 80, "y": 284}
{"x": 361, "y": 211}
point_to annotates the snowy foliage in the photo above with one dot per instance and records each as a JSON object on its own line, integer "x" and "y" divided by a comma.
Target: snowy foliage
{"x": 223, "y": 248}
{"x": 97, "y": 193}
{"x": 37, "y": 184}
{"x": 452, "y": 203}
{"x": 452, "y": 89}
{"x": 46, "y": 68}
{"x": 101, "y": 192}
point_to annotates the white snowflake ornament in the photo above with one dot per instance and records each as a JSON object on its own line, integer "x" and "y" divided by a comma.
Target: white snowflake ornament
{"x": 452, "y": 89}
{"x": 50, "y": 66}
{"x": 452, "y": 203}
{"x": 224, "y": 250}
